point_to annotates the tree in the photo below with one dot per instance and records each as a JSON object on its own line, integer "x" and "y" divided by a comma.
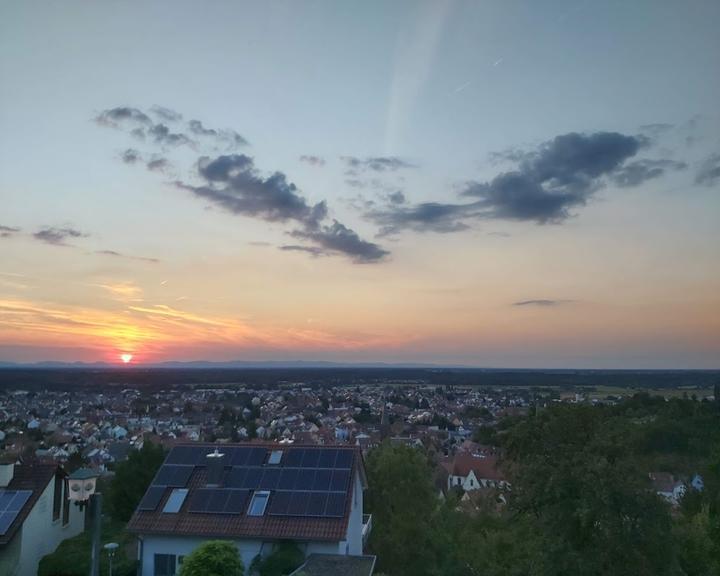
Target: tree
{"x": 285, "y": 558}
{"x": 402, "y": 500}
{"x": 591, "y": 509}
{"x": 132, "y": 479}
{"x": 213, "y": 558}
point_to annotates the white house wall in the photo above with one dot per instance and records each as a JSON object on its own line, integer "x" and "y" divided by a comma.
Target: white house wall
{"x": 40, "y": 534}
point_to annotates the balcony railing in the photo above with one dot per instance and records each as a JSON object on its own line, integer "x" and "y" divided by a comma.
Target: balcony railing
{"x": 366, "y": 528}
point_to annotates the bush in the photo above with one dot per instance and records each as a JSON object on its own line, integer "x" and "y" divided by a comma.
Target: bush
{"x": 286, "y": 557}
{"x": 72, "y": 556}
{"x": 213, "y": 558}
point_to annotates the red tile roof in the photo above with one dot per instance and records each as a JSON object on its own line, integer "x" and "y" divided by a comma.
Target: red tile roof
{"x": 211, "y": 525}
{"x": 485, "y": 468}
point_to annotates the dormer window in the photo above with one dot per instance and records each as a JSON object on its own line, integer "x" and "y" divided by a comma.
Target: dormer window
{"x": 275, "y": 457}
{"x": 258, "y": 503}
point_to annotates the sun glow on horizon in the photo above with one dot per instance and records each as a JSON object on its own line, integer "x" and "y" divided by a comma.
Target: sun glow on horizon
{"x": 126, "y": 358}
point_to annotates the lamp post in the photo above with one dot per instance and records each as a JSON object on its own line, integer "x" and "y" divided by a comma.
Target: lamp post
{"x": 82, "y": 484}
{"x": 111, "y": 547}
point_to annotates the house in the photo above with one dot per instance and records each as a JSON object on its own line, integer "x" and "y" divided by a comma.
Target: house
{"x": 667, "y": 486}
{"x": 35, "y": 515}
{"x": 256, "y": 495}
{"x": 474, "y": 471}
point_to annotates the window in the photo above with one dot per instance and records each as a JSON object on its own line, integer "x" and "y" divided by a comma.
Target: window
{"x": 57, "y": 497}
{"x": 258, "y": 503}
{"x": 66, "y": 507}
{"x": 175, "y": 501}
{"x": 275, "y": 457}
{"x": 471, "y": 482}
{"x": 164, "y": 565}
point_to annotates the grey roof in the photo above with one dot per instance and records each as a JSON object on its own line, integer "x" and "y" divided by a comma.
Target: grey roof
{"x": 336, "y": 565}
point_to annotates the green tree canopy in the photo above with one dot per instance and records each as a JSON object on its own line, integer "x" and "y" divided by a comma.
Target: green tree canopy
{"x": 132, "y": 478}
{"x": 403, "y": 502}
{"x": 213, "y": 558}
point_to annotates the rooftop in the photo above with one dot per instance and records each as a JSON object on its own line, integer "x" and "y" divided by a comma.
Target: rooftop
{"x": 305, "y": 496}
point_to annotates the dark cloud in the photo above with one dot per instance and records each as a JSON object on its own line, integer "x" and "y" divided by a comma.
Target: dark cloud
{"x": 161, "y": 135}
{"x": 312, "y": 160}
{"x": 397, "y": 197}
{"x": 57, "y": 236}
{"x": 376, "y": 164}
{"x": 116, "y": 116}
{"x": 635, "y": 173}
{"x": 313, "y": 250}
{"x": 709, "y": 172}
{"x": 131, "y": 156}
{"x": 339, "y": 239}
{"x": 7, "y": 231}
{"x": 541, "y": 303}
{"x": 233, "y": 183}
{"x": 425, "y": 217}
{"x": 116, "y": 254}
{"x": 223, "y": 136}
{"x": 546, "y": 185}
{"x": 158, "y": 164}
{"x": 166, "y": 114}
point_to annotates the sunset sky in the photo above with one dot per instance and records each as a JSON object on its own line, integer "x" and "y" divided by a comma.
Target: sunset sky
{"x": 486, "y": 183}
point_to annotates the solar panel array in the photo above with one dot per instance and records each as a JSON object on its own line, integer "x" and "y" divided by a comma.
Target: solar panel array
{"x": 302, "y": 482}
{"x": 11, "y": 502}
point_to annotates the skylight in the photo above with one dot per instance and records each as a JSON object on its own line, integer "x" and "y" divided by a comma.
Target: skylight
{"x": 258, "y": 503}
{"x": 175, "y": 501}
{"x": 275, "y": 457}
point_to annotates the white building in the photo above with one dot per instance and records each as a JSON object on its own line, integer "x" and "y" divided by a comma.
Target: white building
{"x": 255, "y": 495}
{"x": 35, "y": 515}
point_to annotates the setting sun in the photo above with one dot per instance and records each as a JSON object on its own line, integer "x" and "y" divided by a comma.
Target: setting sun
{"x": 126, "y": 358}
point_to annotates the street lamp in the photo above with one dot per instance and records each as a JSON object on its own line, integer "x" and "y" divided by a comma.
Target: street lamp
{"x": 111, "y": 547}
{"x": 82, "y": 484}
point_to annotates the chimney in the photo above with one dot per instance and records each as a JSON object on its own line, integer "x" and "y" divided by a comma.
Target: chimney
{"x": 7, "y": 469}
{"x": 216, "y": 467}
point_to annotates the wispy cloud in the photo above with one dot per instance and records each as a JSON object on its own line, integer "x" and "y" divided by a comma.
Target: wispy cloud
{"x": 542, "y": 303}
{"x": 116, "y": 254}
{"x": 8, "y": 231}
{"x": 58, "y": 236}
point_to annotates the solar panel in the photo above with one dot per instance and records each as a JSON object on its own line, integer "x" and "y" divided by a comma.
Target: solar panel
{"x": 298, "y": 504}
{"x": 152, "y": 498}
{"x": 240, "y": 457}
{"x": 304, "y": 480}
{"x": 189, "y": 455}
{"x": 236, "y": 477}
{"x": 335, "y": 505}
{"x": 6, "y": 497}
{"x": 6, "y": 519}
{"x": 316, "y": 504}
{"x": 294, "y": 457}
{"x": 11, "y": 502}
{"x": 279, "y": 502}
{"x": 256, "y": 457}
{"x": 236, "y": 502}
{"x": 327, "y": 458}
{"x": 340, "y": 480}
{"x": 175, "y": 501}
{"x": 199, "y": 500}
{"x": 322, "y": 480}
{"x": 270, "y": 479}
{"x": 174, "y": 475}
{"x": 310, "y": 460}
{"x": 16, "y": 504}
{"x": 252, "y": 478}
{"x": 217, "y": 501}
{"x": 287, "y": 479}
{"x": 344, "y": 459}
